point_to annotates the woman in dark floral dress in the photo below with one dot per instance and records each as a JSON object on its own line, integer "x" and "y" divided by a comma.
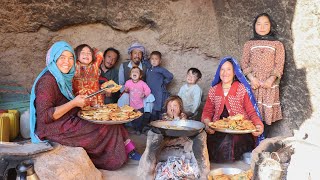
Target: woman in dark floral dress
{"x": 53, "y": 114}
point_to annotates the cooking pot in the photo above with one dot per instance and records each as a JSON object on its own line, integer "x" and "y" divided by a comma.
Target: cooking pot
{"x": 25, "y": 171}
{"x": 177, "y": 128}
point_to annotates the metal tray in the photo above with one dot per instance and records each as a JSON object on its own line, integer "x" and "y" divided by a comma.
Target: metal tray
{"x": 177, "y": 128}
{"x": 233, "y": 131}
{"x": 106, "y": 121}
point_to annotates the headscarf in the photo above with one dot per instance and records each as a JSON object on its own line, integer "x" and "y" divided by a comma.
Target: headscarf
{"x": 64, "y": 81}
{"x": 271, "y": 36}
{"x": 242, "y": 79}
{"x": 138, "y": 46}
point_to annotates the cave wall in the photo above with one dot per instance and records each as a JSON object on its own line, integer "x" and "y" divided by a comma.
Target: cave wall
{"x": 189, "y": 34}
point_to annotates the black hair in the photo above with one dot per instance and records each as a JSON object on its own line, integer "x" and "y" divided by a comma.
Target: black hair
{"x": 157, "y": 53}
{"x": 273, "y": 28}
{"x": 195, "y": 71}
{"x": 112, "y": 49}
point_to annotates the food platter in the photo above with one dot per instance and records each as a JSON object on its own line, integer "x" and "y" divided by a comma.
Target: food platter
{"x": 109, "y": 114}
{"x": 230, "y": 173}
{"x": 106, "y": 121}
{"x": 233, "y": 131}
{"x": 233, "y": 125}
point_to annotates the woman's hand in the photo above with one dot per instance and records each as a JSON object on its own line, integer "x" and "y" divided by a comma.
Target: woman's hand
{"x": 79, "y": 101}
{"x": 207, "y": 128}
{"x": 254, "y": 83}
{"x": 259, "y": 130}
{"x": 268, "y": 83}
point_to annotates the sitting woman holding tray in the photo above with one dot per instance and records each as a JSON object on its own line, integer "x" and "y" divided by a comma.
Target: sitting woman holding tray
{"x": 230, "y": 95}
{"x": 53, "y": 114}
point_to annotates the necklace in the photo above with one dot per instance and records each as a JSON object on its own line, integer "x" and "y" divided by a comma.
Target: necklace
{"x": 226, "y": 86}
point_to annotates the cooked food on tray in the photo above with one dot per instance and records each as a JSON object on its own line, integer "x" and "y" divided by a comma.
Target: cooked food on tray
{"x": 173, "y": 127}
{"x": 115, "y": 87}
{"x": 110, "y": 112}
{"x": 236, "y": 122}
{"x": 245, "y": 175}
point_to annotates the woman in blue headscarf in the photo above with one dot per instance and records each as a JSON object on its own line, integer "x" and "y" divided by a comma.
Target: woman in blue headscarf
{"x": 230, "y": 95}
{"x": 53, "y": 114}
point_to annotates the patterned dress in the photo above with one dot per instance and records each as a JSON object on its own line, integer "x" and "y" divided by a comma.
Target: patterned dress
{"x": 86, "y": 80}
{"x": 263, "y": 58}
{"x": 103, "y": 143}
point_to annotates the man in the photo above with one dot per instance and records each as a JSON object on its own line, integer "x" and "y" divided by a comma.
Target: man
{"x": 109, "y": 72}
{"x": 136, "y": 52}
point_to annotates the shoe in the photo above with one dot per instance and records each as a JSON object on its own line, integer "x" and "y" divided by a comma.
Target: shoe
{"x": 134, "y": 155}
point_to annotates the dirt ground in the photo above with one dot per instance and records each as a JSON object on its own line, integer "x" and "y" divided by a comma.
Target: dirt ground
{"x": 129, "y": 171}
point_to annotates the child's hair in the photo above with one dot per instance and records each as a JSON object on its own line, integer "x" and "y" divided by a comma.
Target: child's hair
{"x": 273, "y": 25}
{"x": 141, "y": 72}
{"x": 79, "y": 48}
{"x": 196, "y": 72}
{"x": 112, "y": 49}
{"x": 156, "y": 53}
{"x": 174, "y": 98}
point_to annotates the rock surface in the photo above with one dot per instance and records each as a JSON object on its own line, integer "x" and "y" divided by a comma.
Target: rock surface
{"x": 65, "y": 162}
{"x": 189, "y": 34}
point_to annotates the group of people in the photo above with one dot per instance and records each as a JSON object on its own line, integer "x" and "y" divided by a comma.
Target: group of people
{"x": 70, "y": 75}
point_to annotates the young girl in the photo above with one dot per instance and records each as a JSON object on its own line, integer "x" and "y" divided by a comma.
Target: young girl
{"x": 262, "y": 62}
{"x": 86, "y": 81}
{"x": 86, "y": 78}
{"x": 174, "y": 109}
{"x": 137, "y": 90}
{"x": 157, "y": 78}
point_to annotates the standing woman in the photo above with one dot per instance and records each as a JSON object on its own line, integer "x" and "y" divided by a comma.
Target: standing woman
{"x": 53, "y": 114}
{"x": 262, "y": 62}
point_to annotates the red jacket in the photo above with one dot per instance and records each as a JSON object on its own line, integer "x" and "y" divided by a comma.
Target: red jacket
{"x": 237, "y": 101}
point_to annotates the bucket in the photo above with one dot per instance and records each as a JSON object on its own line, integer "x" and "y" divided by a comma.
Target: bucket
{"x": 4, "y": 128}
{"x": 246, "y": 157}
{"x": 14, "y": 127}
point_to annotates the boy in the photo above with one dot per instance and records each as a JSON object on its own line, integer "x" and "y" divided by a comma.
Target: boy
{"x": 191, "y": 93}
{"x": 157, "y": 79}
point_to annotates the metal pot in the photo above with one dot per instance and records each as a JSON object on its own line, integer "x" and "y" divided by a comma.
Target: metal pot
{"x": 177, "y": 128}
{"x": 25, "y": 171}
